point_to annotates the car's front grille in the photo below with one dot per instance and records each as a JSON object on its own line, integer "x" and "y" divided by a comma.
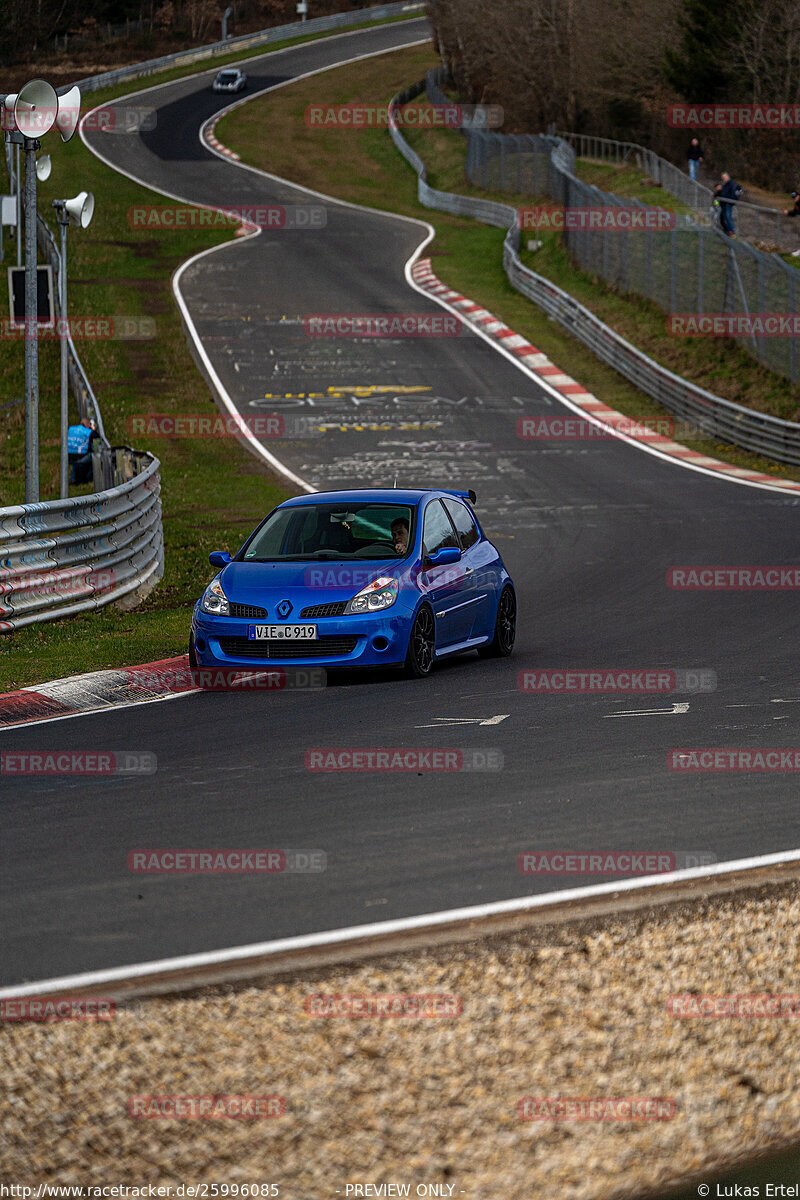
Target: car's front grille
{"x": 325, "y": 610}
{"x": 322, "y": 647}
{"x": 248, "y": 611}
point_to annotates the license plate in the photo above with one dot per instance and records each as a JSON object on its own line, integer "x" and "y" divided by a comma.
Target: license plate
{"x": 282, "y": 633}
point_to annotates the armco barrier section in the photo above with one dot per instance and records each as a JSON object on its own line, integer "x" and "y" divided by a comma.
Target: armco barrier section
{"x": 59, "y": 558}
{"x": 712, "y": 414}
{"x": 65, "y": 557}
{"x": 247, "y": 41}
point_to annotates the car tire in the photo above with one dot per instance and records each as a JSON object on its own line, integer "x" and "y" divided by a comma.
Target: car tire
{"x": 193, "y": 664}
{"x": 505, "y": 627}
{"x": 421, "y": 645}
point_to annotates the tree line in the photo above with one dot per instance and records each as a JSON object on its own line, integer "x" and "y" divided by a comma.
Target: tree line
{"x": 30, "y": 29}
{"x": 614, "y": 68}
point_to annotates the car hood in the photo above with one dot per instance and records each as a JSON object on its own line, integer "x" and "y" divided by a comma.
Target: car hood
{"x": 318, "y": 582}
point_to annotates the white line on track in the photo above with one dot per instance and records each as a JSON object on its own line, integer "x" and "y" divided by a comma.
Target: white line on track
{"x": 332, "y": 937}
{"x": 246, "y": 433}
{"x": 539, "y": 380}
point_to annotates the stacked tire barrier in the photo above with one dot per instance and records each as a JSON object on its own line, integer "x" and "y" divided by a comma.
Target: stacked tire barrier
{"x": 713, "y": 415}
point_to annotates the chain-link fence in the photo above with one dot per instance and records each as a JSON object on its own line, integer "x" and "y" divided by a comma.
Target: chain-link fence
{"x": 685, "y": 269}
{"x": 759, "y": 432}
{"x": 753, "y": 221}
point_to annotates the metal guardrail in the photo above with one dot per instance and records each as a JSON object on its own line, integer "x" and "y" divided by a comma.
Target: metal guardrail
{"x": 245, "y": 41}
{"x": 759, "y": 432}
{"x": 64, "y": 557}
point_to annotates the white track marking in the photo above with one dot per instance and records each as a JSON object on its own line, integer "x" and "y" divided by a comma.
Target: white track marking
{"x": 442, "y": 722}
{"x": 247, "y": 435}
{"x": 332, "y": 937}
{"x": 539, "y": 380}
{"x": 431, "y": 233}
{"x": 676, "y": 710}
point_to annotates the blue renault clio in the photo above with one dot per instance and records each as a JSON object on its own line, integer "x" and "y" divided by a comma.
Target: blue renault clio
{"x": 366, "y": 578}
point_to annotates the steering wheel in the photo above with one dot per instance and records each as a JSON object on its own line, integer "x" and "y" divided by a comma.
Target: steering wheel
{"x": 365, "y": 551}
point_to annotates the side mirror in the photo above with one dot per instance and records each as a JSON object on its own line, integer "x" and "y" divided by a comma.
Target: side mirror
{"x": 444, "y": 557}
{"x": 219, "y": 558}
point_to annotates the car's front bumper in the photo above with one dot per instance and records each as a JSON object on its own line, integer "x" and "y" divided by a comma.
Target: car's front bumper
{"x": 372, "y": 640}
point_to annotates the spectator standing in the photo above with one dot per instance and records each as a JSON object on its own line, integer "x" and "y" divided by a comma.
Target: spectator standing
{"x": 695, "y": 156}
{"x": 79, "y": 449}
{"x": 728, "y": 191}
{"x": 794, "y": 212}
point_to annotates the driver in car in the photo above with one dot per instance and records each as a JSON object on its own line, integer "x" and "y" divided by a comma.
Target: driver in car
{"x": 400, "y": 535}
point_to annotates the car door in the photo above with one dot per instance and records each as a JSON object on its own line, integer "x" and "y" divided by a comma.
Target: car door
{"x": 447, "y": 587}
{"x": 478, "y": 558}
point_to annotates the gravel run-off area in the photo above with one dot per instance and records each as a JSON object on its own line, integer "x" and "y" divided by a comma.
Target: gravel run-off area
{"x": 570, "y": 1010}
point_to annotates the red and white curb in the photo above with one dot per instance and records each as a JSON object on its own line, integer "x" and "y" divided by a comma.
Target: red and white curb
{"x": 92, "y": 692}
{"x": 554, "y": 377}
{"x": 212, "y": 140}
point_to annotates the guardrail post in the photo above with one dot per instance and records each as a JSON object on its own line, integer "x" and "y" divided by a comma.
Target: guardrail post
{"x": 701, "y": 246}
{"x": 673, "y": 270}
{"x": 793, "y": 341}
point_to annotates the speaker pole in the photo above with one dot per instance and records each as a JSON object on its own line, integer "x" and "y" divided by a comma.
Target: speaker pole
{"x": 31, "y": 329}
{"x": 18, "y": 190}
{"x": 63, "y": 221}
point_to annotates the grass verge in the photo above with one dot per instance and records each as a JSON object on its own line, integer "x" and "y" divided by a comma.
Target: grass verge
{"x": 363, "y": 166}
{"x": 213, "y": 491}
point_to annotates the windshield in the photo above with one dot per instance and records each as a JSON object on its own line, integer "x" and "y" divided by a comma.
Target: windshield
{"x": 227, "y": 77}
{"x": 333, "y": 531}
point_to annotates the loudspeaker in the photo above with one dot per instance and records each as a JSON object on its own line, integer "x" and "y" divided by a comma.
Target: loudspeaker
{"x": 35, "y": 108}
{"x": 43, "y": 168}
{"x": 69, "y": 113}
{"x": 80, "y": 209}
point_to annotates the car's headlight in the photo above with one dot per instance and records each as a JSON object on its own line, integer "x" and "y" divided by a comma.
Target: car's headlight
{"x": 215, "y": 601}
{"x": 381, "y": 593}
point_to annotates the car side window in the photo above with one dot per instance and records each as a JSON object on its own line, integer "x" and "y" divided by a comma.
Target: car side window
{"x": 465, "y": 526}
{"x": 437, "y": 530}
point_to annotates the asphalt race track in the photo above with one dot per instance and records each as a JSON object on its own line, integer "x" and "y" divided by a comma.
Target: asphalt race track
{"x": 588, "y": 529}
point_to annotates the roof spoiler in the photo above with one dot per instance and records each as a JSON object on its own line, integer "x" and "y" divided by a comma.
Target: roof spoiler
{"x": 470, "y": 495}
